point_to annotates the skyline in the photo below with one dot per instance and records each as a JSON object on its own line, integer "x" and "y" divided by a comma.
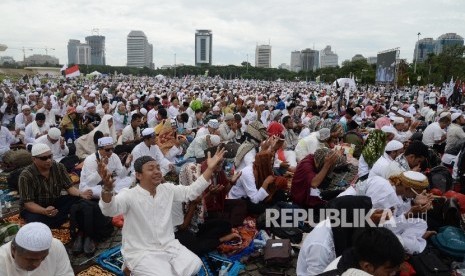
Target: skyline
{"x": 358, "y": 27}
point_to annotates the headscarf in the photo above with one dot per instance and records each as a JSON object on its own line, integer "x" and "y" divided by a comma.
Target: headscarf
{"x": 167, "y": 137}
{"x": 369, "y": 110}
{"x": 343, "y": 236}
{"x": 255, "y": 134}
{"x": 383, "y": 121}
{"x": 314, "y": 123}
{"x": 262, "y": 168}
{"x": 275, "y": 129}
{"x": 85, "y": 144}
{"x": 374, "y": 147}
{"x": 189, "y": 173}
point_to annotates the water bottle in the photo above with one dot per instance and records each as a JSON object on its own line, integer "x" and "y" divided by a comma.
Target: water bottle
{"x": 223, "y": 271}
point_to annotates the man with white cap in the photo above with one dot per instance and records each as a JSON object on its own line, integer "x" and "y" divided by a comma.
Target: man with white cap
{"x": 455, "y": 134}
{"x": 131, "y": 133}
{"x": 399, "y": 124}
{"x": 148, "y": 147}
{"x": 50, "y": 113}
{"x": 91, "y": 119}
{"x": 7, "y": 139}
{"x": 24, "y": 118}
{"x": 34, "y": 252}
{"x": 90, "y": 178}
{"x": 40, "y": 185}
{"x": 55, "y": 142}
{"x": 210, "y": 128}
{"x": 227, "y": 129}
{"x": 308, "y": 145}
{"x": 149, "y": 246}
{"x": 393, "y": 149}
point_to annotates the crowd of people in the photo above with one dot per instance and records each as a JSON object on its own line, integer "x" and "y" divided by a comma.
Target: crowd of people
{"x": 185, "y": 160}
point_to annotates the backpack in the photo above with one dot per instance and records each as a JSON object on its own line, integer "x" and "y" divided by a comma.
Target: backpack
{"x": 277, "y": 252}
{"x": 440, "y": 178}
{"x": 427, "y": 263}
{"x": 86, "y": 216}
{"x": 451, "y": 241}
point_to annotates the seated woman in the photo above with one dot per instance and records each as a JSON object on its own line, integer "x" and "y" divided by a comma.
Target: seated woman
{"x": 328, "y": 240}
{"x": 203, "y": 228}
{"x": 284, "y": 160}
{"x": 390, "y": 194}
{"x": 258, "y": 184}
{"x": 312, "y": 174}
{"x": 68, "y": 126}
{"x": 373, "y": 149}
{"x": 85, "y": 145}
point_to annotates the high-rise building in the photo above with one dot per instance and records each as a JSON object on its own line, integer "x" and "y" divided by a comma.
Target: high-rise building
{"x": 78, "y": 53}
{"x": 328, "y": 58}
{"x": 203, "y": 47}
{"x": 310, "y": 59}
{"x": 263, "y": 56}
{"x": 140, "y": 51}
{"x": 296, "y": 61}
{"x": 423, "y": 48}
{"x": 447, "y": 40}
{"x": 97, "y": 49}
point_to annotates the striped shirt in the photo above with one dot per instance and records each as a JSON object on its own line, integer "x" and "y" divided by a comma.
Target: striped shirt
{"x": 36, "y": 188}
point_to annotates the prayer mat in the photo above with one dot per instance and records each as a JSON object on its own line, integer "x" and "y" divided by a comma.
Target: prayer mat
{"x": 212, "y": 263}
{"x": 95, "y": 270}
{"x": 112, "y": 260}
{"x": 61, "y": 233}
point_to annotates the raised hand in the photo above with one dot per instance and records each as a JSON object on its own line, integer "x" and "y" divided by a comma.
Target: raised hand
{"x": 235, "y": 177}
{"x": 213, "y": 161}
{"x": 107, "y": 179}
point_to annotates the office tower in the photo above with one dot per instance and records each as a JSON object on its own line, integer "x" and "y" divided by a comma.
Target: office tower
{"x": 97, "y": 49}
{"x": 328, "y": 58}
{"x": 139, "y": 50}
{"x": 203, "y": 47}
{"x": 263, "y": 56}
{"x": 78, "y": 53}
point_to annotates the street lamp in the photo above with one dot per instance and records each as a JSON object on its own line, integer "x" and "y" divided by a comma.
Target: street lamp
{"x": 416, "y": 56}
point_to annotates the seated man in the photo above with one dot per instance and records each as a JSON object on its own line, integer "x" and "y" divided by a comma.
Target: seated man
{"x": 149, "y": 246}
{"x": 6, "y": 139}
{"x": 90, "y": 178}
{"x": 34, "y": 252}
{"x": 227, "y": 129}
{"x": 40, "y": 186}
{"x": 55, "y": 142}
{"x": 36, "y": 129}
{"x": 149, "y": 147}
{"x": 131, "y": 134}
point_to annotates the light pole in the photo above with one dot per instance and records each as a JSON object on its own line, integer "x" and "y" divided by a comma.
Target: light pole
{"x": 416, "y": 56}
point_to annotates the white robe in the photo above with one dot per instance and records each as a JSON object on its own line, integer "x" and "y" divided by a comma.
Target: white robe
{"x": 90, "y": 177}
{"x": 32, "y": 130}
{"x": 154, "y": 151}
{"x": 56, "y": 263}
{"x": 380, "y": 166}
{"x": 148, "y": 234}
{"x": 57, "y": 151}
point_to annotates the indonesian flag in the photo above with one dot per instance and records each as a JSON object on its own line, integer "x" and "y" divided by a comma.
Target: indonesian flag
{"x": 72, "y": 71}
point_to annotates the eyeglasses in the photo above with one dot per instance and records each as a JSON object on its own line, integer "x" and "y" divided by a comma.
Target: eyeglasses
{"x": 45, "y": 158}
{"x": 108, "y": 150}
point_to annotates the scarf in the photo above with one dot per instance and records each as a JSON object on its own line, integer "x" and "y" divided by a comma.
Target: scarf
{"x": 188, "y": 175}
{"x": 167, "y": 137}
{"x": 215, "y": 202}
{"x": 374, "y": 146}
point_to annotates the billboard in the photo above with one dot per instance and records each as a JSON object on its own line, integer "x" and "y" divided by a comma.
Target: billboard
{"x": 386, "y": 66}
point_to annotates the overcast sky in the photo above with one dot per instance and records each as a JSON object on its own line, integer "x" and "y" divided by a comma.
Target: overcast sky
{"x": 350, "y": 27}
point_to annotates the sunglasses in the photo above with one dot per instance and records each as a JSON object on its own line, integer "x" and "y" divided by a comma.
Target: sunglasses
{"x": 108, "y": 150}
{"x": 45, "y": 158}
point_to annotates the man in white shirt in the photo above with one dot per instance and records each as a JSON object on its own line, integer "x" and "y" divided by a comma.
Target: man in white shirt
{"x": 148, "y": 147}
{"x": 434, "y": 135}
{"x": 90, "y": 178}
{"x": 24, "y": 118}
{"x": 209, "y": 129}
{"x": 50, "y": 114}
{"x": 227, "y": 129}
{"x": 149, "y": 246}
{"x": 455, "y": 134}
{"x": 34, "y": 252}
{"x": 393, "y": 149}
{"x": 401, "y": 135}
{"x": 36, "y": 129}
{"x": 55, "y": 142}
{"x": 7, "y": 139}
{"x": 131, "y": 133}
{"x": 308, "y": 145}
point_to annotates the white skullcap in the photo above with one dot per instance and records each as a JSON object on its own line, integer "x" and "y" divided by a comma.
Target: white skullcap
{"x": 89, "y": 105}
{"x": 79, "y": 92}
{"x": 215, "y": 140}
{"x": 444, "y": 114}
{"x": 143, "y": 111}
{"x": 34, "y": 236}
{"x": 325, "y": 133}
{"x": 54, "y": 133}
{"x": 261, "y": 103}
{"x": 391, "y": 115}
{"x": 394, "y": 108}
{"x": 398, "y": 120}
{"x": 79, "y": 109}
{"x": 393, "y": 145}
{"x": 228, "y": 117}
{"x": 248, "y": 102}
{"x": 401, "y": 112}
{"x": 105, "y": 141}
{"x": 135, "y": 101}
{"x": 92, "y": 95}
{"x": 408, "y": 115}
{"x": 216, "y": 108}
{"x": 388, "y": 129}
{"x": 416, "y": 176}
{"x": 454, "y": 116}
{"x": 39, "y": 148}
{"x": 24, "y": 107}
{"x": 213, "y": 123}
{"x": 148, "y": 132}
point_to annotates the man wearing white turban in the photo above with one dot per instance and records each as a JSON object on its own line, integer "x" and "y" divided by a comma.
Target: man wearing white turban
{"x": 34, "y": 252}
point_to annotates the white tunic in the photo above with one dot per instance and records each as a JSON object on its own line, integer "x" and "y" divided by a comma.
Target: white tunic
{"x": 90, "y": 177}
{"x": 6, "y": 139}
{"x": 363, "y": 168}
{"x": 148, "y": 234}
{"x": 432, "y": 133}
{"x": 32, "y": 130}
{"x": 308, "y": 145}
{"x": 245, "y": 187}
{"x": 154, "y": 151}
{"x": 380, "y": 166}
{"x": 317, "y": 251}
{"x": 56, "y": 263}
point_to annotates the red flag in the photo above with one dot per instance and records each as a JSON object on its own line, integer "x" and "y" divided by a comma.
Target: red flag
{"x": 72, "y": 71}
